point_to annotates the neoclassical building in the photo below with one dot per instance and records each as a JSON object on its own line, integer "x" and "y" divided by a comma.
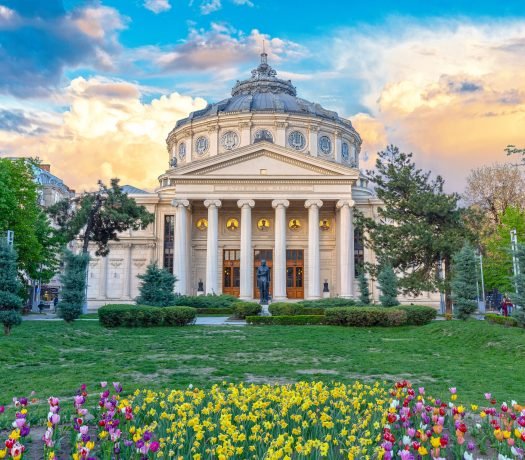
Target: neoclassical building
{"x": 263, "y": 174}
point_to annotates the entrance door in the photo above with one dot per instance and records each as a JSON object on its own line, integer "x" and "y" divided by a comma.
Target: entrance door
{"x": 258, "y": 255}
{"x": 295, "y": 274}
{"x": 231, "y": 272}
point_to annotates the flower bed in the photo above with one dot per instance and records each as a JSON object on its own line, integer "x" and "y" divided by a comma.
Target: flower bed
{"x": 306, "y": 420}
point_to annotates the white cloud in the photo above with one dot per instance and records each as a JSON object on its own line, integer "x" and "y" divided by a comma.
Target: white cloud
{"x": 210, "y": 6}
{"x": 244, "y": 2}
{"x": 107, "y": 130}
{"x": 157, "y": 6}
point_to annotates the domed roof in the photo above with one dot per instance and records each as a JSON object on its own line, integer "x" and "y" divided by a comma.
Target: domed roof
{"x": 264, "y": 92}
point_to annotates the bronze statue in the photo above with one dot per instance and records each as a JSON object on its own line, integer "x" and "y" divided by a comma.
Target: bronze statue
{"x": 263, "y": 281}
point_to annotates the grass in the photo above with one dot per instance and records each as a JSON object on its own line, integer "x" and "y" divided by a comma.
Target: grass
{"x": 54, "y": 358}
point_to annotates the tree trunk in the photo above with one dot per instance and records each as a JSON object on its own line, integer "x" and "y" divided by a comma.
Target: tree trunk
{"x": 448, "y": 293}
{"x": 7, "y": 329}
{"x": 89, "y": 226}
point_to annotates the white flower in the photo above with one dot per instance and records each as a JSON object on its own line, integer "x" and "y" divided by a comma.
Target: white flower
{"x": 394, "y": 403}
{"x": 468, "y": 456}
{"x": 503, "y": 457}
{"x": 406, "y": 440}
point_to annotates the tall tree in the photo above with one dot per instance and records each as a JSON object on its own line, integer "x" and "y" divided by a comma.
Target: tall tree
{"x": 99, "y": 216}
{"x": 419, "y": 225}
{"x": 10, "y": 301}
{"x": 37, "y": 247}
{"x": 518, "y": 295}
{"x": 73, "y": 286}
{"x": 492, "y": 189}
{"x": 464, "y": 282}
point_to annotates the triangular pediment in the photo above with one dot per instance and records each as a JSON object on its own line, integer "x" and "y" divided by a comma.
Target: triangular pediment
{"x": 264, "y": 158}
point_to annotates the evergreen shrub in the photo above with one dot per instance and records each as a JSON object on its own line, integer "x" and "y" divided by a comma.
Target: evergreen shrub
{"x": 388, "y": 284}
{"x": 206, "y": 301}
{"x": 464, "y": 282}
{"x": 291, "y": 309}
{"x": 365, "y": 316}
{"x": 504, "y": 320}
{"x": 327, "y": 303}
{"x": 157, "y": 287}
{"x": 117, "y": 315}
{"x": 418, "y": 315}
{"x": 214, "y": 311}
{"x": 300, "y": 320}
{"x": 73, "y": 294}
{"x": 243, "y": 309}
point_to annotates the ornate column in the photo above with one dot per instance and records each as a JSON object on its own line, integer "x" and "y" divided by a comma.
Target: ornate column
{"x": 213, "y": 132}
{"x": 346, "y": 248}
{"x": 180, "y": 257}
{"x": 212, "y": 246}
{"x": 314, "y": 268}
{"x": 244, "y": 127}
{"x": 279, "y": 257}
{"x": 280, "y": 133}
{"x": 246, "y": 249}
{"x": 313, "y": 139}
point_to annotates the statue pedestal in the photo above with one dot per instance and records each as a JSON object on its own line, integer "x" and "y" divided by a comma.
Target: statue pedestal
{"x": 265, "y": 310}
{"x": 326, "y": 295}
{"x": 200, "y": 293}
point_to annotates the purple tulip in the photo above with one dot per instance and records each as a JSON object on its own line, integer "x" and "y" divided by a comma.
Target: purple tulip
{"x": 2, "y": 409}
{"x": 23, "y": 401}
{"x": 85, "y": 437}
{"x": 24, "y": 431}
{"x": 139, "y": 444}
{"x": 154, "y": 446}
{"x": 146, "y": 436}
{"x": 128, "y": 443}
{"x": 471, "y": 446}
{"x": 55, "y": 418}
{"x": 117, "y": 386}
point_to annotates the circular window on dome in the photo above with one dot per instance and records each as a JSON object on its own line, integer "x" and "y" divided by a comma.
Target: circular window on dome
{"x": 230, "y": 140}
{"x": 345, "y": 151}
{"x": 182, "y": 150}
{"x": 325, "y": 145}
{"x": 201, "y": 146}
{"x": 296, "y": 140}
{"x": 263, "y": 135}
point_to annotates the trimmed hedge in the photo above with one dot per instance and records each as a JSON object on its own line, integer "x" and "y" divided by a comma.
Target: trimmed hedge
{"x": 214, "y": 311}
{"x": 418, "y": 315}
{"x": 206, "y": 301}
{"x": 243, "y": 309}
{"x": 365, "y": 316}
{"x": 116, "y": 315}
{"x": 302, "y": 320}
{"x": 508, "y": 321}
{"x": 327, "y": 303}
{"x": 292, "y": 309}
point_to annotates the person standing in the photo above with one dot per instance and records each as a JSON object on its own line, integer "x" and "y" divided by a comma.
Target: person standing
{"x": 506, "y": 306}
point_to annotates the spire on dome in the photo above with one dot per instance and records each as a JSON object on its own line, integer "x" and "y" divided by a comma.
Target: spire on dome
{"x": 264, "y": 56}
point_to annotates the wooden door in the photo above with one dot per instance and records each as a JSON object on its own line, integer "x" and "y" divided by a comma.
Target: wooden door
{"x": 231, "y": 272}
{"x": 295, "y": 274}
{"x": 258, "y": 255}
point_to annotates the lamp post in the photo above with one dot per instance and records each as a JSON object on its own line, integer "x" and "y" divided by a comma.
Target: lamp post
{"x": 481, "y": 302}
{"x": 515, "y": 262}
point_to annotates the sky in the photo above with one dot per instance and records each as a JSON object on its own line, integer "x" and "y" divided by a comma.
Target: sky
{"x": 94, "y": 87}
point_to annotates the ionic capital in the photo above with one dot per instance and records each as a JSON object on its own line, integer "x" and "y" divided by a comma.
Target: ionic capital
{"x": 212, "y": 203}
{"x": 343, "y": 203}
{"x": 243, "y": 203}
{"x": 310, "y": 203}
{"x": 177, "y": 203}
{"x": 280, "y": 203}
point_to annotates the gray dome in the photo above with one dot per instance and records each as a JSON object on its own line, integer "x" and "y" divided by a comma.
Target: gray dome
{"x": 264, "y": 92}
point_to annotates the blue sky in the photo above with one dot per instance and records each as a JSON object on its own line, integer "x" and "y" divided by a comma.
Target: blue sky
{"x": 100, "y": 83}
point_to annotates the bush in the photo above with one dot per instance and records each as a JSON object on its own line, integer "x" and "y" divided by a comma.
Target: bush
{"x": 365, "y": 316}
{"x": 300, "y": 320}
{"x": 387, "y": 280}
{"x": 116, "y": 315}
{"x": 69, "y": 312}
{"x": 417, "y": 315}
{"x": 206, "y": 301}
{"x": 504, "y": 320}
{"x": 214, "y": 311}
{"x": 292, "y": 309}
{"x": 327, "y": 303}
{"x": 10, "y": 303}
{"x": 156, "y": 288}
{"x": 179, "y": 316}
{"x": 243, "y": 309}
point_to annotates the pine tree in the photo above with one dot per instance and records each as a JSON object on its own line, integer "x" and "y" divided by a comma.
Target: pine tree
{"x": 364, "y": 296}
{"x": 464, "y": 282}
{"x": 10, "y": 302}
{"x": 156, "y": 288}
{"x": 73, "y": 286}
{"x": 388, "y": 284}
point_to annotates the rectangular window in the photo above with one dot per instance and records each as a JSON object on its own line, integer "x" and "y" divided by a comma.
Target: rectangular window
{"x": 359, "y": 251}
{"x": 169, "y": 234}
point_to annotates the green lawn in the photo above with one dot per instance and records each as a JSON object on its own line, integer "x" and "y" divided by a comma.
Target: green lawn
{"x": 53, "y": 358}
